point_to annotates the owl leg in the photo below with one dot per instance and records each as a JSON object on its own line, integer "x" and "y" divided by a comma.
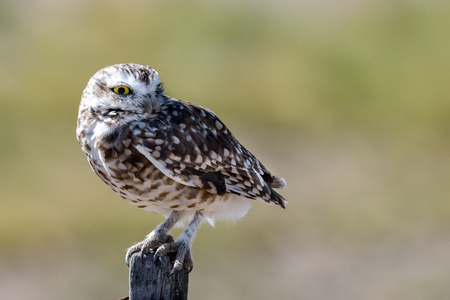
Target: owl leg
{"x": 182, "y": 245}
{"x": 156, "y": 238}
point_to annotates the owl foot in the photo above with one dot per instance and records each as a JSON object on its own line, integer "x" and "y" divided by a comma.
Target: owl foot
{"x": 182, "y": 248}
{"x": 152, "y": 242}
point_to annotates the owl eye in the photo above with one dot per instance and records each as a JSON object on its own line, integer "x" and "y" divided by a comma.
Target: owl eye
{"x": 121, "y": 90}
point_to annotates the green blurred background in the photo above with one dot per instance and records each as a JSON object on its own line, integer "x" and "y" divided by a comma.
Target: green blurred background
{"x": 348, "y": 100}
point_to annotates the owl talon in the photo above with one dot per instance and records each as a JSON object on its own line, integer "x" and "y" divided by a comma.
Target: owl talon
{"x": 142, "y": 255}
{"x": 188, "y": 262}
{"x": 176, "y": 267}
{"x": 183, "y": 256}
{"x": 152, "y": 242}
{"x": 190, "y": 268}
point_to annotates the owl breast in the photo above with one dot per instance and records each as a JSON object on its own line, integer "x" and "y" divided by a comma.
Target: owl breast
{"x": 113, "y": 156}
{"x": 134, "y": 178}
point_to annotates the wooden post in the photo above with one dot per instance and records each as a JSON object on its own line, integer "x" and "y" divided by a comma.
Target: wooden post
{"x": 150, "y": 280}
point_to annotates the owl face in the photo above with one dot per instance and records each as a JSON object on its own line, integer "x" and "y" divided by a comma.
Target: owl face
{"x": 122, "y": 89}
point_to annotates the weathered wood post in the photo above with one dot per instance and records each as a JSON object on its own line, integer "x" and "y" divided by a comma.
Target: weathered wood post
{"x": 150, "y": 279}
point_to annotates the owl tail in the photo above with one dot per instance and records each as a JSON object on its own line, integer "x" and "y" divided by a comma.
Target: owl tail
{"x": 278, "y": 199}
{"x": 278, "y": 183}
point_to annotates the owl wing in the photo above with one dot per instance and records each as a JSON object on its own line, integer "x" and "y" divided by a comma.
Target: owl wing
{"x": 190, "y": 144}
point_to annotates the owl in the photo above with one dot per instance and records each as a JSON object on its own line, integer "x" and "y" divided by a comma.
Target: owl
{"x": 167, "y": 156}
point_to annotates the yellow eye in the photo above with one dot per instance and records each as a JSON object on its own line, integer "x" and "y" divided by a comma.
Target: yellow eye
{"x": 121, "y": 90}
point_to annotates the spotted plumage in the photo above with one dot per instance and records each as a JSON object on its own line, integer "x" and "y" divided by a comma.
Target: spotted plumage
{"x": 167, "y": 156}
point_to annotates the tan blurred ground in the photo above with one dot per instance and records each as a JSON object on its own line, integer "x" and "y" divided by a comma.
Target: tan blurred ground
{"x": 348, "y": 100}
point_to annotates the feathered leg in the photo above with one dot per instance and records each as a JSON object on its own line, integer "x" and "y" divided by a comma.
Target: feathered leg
{"x": 156, "y": 238}
{"x": 182, "y": 245}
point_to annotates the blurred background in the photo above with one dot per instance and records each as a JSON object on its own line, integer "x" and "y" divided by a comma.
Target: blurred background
{"x": 348, "y": 100}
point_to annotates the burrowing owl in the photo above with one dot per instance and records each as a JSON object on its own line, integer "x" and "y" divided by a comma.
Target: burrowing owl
{"x": 167, "y": 156}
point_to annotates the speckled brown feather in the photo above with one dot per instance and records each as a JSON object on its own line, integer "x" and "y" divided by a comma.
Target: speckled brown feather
{"x": 194, "y": 146}
{"x": 160, "y": 152}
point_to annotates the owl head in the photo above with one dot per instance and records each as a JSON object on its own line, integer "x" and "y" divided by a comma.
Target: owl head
{"x": 122, "y": 89}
